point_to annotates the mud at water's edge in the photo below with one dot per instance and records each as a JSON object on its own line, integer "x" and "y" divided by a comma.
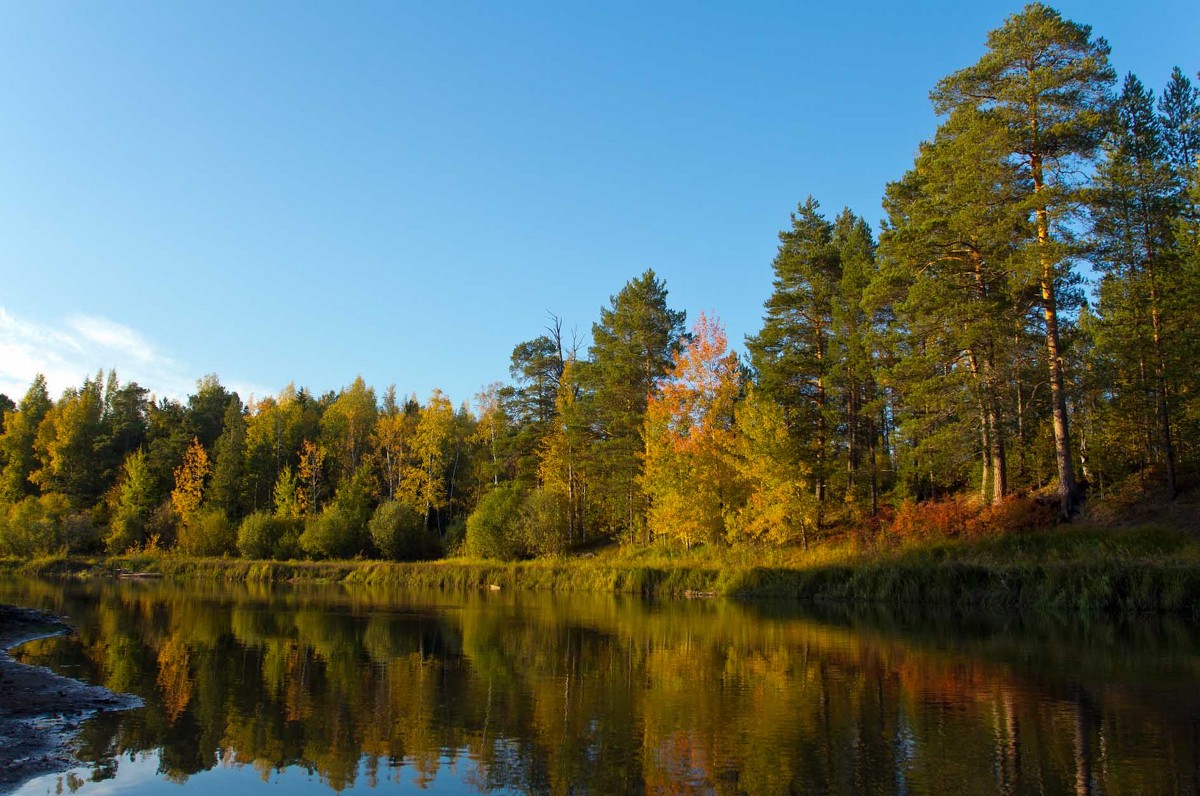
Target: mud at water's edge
{"x": 40, "y": 711}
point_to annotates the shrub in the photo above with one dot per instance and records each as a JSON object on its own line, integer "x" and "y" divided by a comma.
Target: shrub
{"x": 544, "y": 523}
{"x": 162, "y": 527}
{"x": 35, "y": 526}
{"x": 126, "y": 531}
{"x": 1016, "y": 514}
{"x": 933, "y": 519}
{"x": 494, "y": 527}
{"x": 207, "y": 532}
{"x": 263, "y": 535}
{"x": 331, "y": 534}
{"x": 399, "y": 533}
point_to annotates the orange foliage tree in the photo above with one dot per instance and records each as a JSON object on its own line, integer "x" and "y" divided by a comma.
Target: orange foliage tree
{"x": 689, "y": 431}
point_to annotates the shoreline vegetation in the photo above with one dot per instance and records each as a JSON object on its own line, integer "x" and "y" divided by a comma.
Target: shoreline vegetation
{"x": 942, "y": 410}
{"x": 1149, "y": 567}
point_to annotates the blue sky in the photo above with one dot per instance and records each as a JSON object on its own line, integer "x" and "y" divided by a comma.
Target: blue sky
{"x": 308, "y": 191}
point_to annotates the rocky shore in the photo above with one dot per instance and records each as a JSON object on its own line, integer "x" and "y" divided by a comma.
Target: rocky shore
{"x": 40, "y": 711}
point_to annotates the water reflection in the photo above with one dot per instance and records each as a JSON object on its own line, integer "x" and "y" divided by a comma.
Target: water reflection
{"x": 593, "y": 694}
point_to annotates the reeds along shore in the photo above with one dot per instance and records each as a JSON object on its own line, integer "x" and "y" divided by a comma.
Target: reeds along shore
{"x": 1078, "y": 570}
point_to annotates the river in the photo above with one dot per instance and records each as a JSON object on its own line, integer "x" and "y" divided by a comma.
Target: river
{"x": 317, "y": 688}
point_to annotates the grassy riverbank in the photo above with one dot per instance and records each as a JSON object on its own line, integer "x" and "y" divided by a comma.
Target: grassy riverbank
{"x": 1077, "y": 569}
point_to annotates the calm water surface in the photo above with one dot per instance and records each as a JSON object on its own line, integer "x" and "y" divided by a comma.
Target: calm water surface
{"x": 255, "y": 689}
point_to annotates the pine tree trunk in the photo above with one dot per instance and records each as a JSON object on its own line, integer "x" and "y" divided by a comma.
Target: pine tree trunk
{"x": 1160, "y": 384}
{"x": 1068, "y": 490}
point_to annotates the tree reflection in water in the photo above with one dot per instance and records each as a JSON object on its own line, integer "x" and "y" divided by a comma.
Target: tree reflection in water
{"x": 600, "y": 694}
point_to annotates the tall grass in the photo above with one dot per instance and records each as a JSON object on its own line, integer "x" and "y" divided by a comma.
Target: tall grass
{"x": 1077, "y": 569}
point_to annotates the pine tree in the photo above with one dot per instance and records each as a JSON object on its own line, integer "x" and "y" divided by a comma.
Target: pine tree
{"x": 633, "y": 347}
{"x": 951, "y": 245}
{"x": 1133, "y": 208}
{"x": 227, "y": 490}
{"x": 1179, "y": 113}
{"x": 1045, "y": 81}
{"x": 792, "y": 352}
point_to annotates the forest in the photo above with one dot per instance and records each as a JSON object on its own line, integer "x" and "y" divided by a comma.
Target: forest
{"x": 1016, "y": 343}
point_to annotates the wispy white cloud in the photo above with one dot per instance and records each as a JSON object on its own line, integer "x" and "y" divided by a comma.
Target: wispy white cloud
{"x": 67, "y": 353}
{"x": 106, "y": 334}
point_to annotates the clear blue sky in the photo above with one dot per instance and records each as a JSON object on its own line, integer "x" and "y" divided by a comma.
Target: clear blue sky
{"x": 307, "y": 191}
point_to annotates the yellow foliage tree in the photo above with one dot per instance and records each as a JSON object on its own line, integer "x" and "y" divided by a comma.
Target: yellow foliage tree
{"x": 311, "y": 475}
{"x": 189, "y": 480}
{"x": 689, "y": 430}
{"x": 778, "y": 508}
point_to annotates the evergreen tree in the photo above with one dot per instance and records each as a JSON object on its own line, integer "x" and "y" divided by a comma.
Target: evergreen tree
{"x": 1133, "y": 209}
{"x": 951, "y": 244}
{"x": 227, "y": 488}
{"x": 854, "y": 377}
{"x": 206, "y": 410}
{"x": 1045, "y": 81}
{"x": 792, "y": 353}
{"x": 1179, "y": 110}
{"x": 124, "y": 425}
{"x": 633, "y": 347}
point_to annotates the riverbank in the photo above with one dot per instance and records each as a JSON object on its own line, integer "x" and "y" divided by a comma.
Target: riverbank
{"x": 1149, "y": 568}
{"x": 40, "y": 711}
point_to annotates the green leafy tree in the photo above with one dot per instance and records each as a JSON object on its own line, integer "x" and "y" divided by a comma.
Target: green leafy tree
{"x": 66, "y": 445}
{"x": 134, "y": 503}
{"x": 17, "y": 455}
{"x": 494, "y": 527}
{"x": 399, "y": 533}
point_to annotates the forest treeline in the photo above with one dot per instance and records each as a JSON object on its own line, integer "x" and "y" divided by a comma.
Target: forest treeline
{"x": 1023, "y": 324}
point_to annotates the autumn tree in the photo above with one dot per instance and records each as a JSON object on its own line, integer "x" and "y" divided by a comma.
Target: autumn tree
{"x": 424, "y": 485}
{"x": 66, "y": 445}
{"x": 310, "y": 474}
{"x": 565, "y": 457}
{"x": 778, "y": 507}
{"x": 689, "y": 432}
{"x": 190, "y": 478}
{"x": 347, "y": 424}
